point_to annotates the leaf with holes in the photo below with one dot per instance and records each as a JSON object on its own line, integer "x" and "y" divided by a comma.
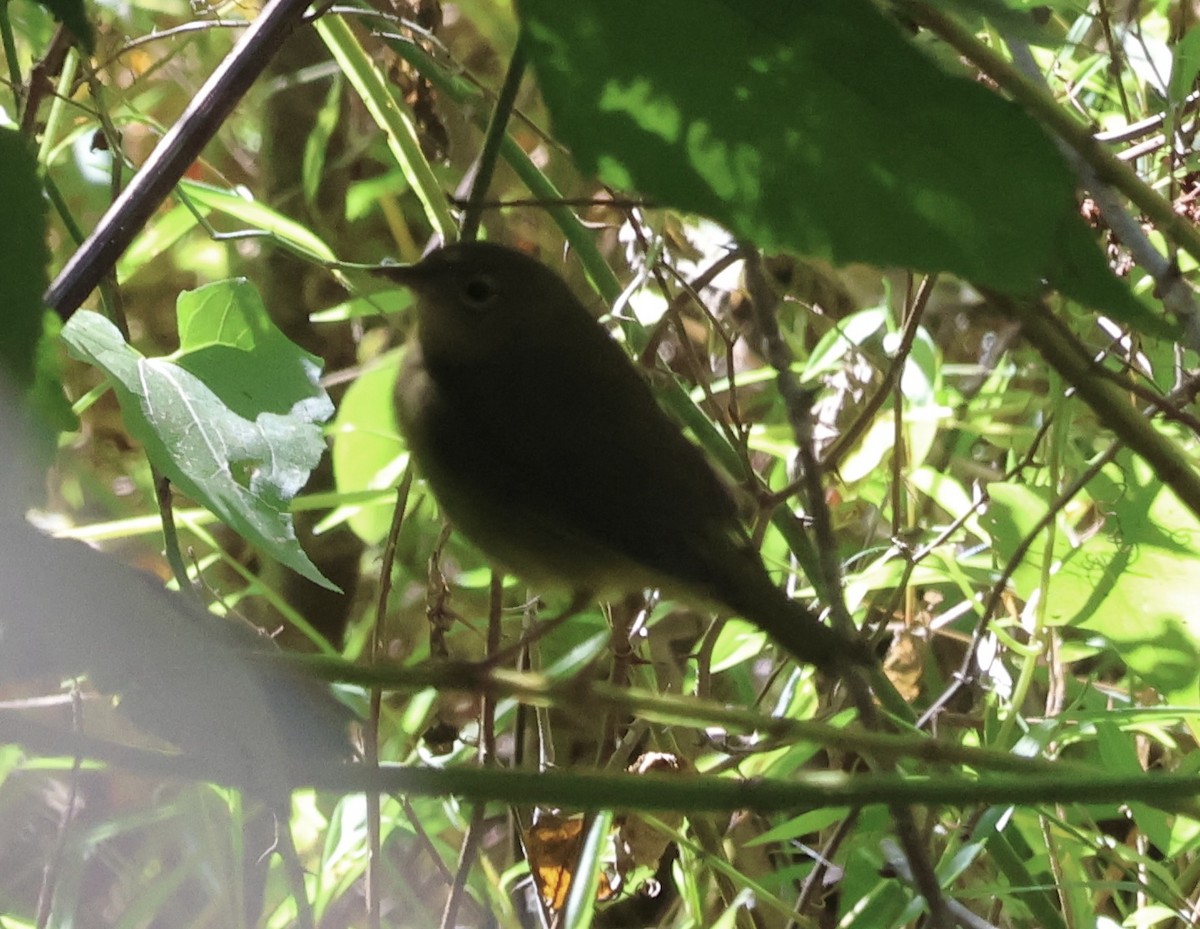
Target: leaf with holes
{"x": 234, "y": 423}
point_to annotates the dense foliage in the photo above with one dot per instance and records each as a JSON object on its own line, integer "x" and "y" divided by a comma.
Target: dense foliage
{"x": 917, "y": 275}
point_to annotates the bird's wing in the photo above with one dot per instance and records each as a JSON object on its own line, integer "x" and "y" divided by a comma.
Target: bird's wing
{"x": 584, "y": 450}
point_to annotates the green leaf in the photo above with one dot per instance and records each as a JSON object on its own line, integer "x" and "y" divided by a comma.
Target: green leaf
{"x": 364, "y": 76}
{"x": 1150, "y": 574}
{"x": 381, "y": 303}
{"x": 317, "y": 144}
{"x": 1185, "y": 65}
{"x": 855, "y": 330}
{"x": 245, "y": 209}
{"x": 368, "y": 453}
{"x": 233, "y": 422}
{"x": 23, "y": 257}
{"x": 816, "y": 127}
{"x": 1134, "y": 583}
{"x": 229, "y": 342}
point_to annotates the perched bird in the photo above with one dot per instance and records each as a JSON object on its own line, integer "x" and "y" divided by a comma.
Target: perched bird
{"x": 546, "y": 448}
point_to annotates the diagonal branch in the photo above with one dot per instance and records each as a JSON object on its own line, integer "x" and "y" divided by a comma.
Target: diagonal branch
{"x": 182, "y": 145}
{"x": 1055, "y": 343}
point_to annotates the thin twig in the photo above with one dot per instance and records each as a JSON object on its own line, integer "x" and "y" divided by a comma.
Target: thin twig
{"x": 468, "y": 852}
{"x": 891, "y": 376}
{"x": 487, "y": 706}
{"x": 374, "y": 876}
{"x": 156, "y": 35}
{"x": 1144, "y": 127}
{"x": 798, "y": 404}
{"x": 53, "y": 868}
{"x": 497, "y": 127}
{"x": 615, "y": 203}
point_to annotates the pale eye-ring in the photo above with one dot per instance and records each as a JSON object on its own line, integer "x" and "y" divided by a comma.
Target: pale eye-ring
{"x": 479, "y": 291}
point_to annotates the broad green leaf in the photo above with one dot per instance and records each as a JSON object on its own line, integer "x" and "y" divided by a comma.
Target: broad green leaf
{"x": 816, "y": 127}
{"x": 1013, "y": 513}
{"x": 368, "y": 453}
{"x": 1135, "y": 582}
{"x": 738, "y": 641}
{"x": 236, "y": 429}
{"x": 1185, "y": 65}
{"x": 229, "y": 342}
{"x": 872, "y": 450}
{"x": 1153, "y": 571}
{"x": 222, "y": 313}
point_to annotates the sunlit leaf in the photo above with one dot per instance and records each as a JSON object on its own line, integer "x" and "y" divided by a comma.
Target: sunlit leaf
{"x": 817, "y": 127}
{"x": 368, "y": 453}
{"x": 1134, "y": 582}
{"x": 233, "y": 422}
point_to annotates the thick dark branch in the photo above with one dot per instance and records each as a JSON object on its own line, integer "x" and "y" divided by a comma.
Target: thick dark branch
{"x": 181, "y": 146}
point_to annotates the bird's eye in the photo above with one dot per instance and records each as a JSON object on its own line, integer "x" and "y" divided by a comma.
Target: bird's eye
{"x": 479, "y": 291}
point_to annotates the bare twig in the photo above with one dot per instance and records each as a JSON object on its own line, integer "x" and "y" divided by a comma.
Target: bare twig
{"x": 374, "y": 878}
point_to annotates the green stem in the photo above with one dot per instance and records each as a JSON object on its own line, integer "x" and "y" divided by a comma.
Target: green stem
{"x": 492, "y": 140}
{"x": 58, "y": 106}
{"x": 171, "y": 547}
{"x": 61, "y": 208}
{"x": 395, "y": 121}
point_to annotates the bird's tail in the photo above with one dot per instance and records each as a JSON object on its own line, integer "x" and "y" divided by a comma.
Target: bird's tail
{"x": 749, "y": 592}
